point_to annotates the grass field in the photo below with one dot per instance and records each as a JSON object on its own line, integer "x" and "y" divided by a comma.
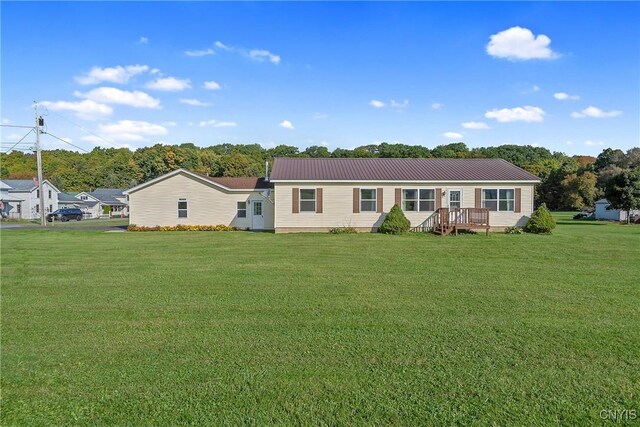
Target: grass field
{"x": 188, "y": 328}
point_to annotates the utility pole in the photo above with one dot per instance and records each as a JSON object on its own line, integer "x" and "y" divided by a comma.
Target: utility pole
{"x": 39, "y": 120}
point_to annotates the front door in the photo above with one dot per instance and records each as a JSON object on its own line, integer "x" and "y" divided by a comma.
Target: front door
{"x": 455, "y": 199}
{"x": 257, "y": 216}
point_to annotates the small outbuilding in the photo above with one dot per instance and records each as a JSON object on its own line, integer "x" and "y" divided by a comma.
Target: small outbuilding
{"x": 603, "y": 213}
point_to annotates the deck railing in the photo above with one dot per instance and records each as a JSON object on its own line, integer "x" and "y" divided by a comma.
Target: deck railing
{"x": 445, "y": 220}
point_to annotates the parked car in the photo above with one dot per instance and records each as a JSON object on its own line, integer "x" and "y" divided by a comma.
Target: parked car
{"x": 65, "y": 215}
{"x": 585, "y": 214}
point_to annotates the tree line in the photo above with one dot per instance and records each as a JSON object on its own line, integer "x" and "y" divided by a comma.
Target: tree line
{"x": 568, "y": 182}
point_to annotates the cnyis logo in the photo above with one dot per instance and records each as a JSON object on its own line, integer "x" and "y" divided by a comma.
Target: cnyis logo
{"x": 619, "y": 415}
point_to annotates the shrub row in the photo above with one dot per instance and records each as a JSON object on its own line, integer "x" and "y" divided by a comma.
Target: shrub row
{"x": 219, "y": 227}
{"x": 343, "y": 230}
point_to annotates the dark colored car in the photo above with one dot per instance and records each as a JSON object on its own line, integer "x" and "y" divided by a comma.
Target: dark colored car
{"x": 65, "y": 215}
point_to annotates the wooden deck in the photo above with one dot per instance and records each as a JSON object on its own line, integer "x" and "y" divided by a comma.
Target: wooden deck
{"x": 445, "y": 221}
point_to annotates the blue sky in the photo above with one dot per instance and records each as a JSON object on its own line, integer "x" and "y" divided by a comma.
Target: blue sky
{"x": 565, "y": 76}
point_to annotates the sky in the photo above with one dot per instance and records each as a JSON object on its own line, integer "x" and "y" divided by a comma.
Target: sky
{"x": 560, "y": 75}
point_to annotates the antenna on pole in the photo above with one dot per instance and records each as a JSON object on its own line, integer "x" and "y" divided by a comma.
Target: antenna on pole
{"x": 39, "y": 122}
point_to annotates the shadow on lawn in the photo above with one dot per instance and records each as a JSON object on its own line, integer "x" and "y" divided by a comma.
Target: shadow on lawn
{"x": 579, "y": 223}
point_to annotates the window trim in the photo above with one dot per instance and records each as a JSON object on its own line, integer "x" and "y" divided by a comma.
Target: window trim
{"x": 497, "y": 199}
{"x": 314, "y": 200}
{"x": 238, "y": 210}
{"x": 374, "y": 200}
{"x": 186, "y": 210}
{"x": 418, "y": 199}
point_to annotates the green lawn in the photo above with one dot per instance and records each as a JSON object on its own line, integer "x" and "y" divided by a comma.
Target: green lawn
{"x": 187, "y": 328}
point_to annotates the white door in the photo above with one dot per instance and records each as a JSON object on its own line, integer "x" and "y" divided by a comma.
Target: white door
{"x": 257, "y": 215}
{"x": 455, "y": 199}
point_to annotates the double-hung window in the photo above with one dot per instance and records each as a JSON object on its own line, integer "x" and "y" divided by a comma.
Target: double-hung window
{"x": 242, "y": 209}
{"x": 182, "y": 208}
{"x": 418, "y": 200}
{"x": 368, "y": 200}
{"x": 307, "y": 200}
{"x": 498, "y": 199}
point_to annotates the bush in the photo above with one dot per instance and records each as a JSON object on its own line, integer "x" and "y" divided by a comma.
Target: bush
{"x": 513, "y": 230}
{"x": 182, "y": 227}
{"x": 541, "y": 221}
{"x": 343, "y": 230}
{"x": 395, "y": 222}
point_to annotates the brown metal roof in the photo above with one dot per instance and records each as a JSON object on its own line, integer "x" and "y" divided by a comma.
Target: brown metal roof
{"x": 306, "y": 169}
{"x": 241, "y": 183}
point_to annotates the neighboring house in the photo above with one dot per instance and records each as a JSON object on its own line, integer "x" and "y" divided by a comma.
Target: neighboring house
{"x": 8, "y": 203}
{"x": 320, "y": 194}
{"x": 26, "y": 195}
{"x": 112, "y": 201}
{"x": 183, "y": 197}
{"x": 90, "y": 208}
{"x": 603, "y": 213}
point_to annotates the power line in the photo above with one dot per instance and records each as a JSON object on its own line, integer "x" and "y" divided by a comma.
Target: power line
{"x": 66, "y": 142}
{"x": 25, "y": 135}
{"x": 16, "y": 126}
{"x": 85, "y": 129}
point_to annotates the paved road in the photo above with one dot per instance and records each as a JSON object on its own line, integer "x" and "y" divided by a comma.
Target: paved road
{"x": 95, "y": 225}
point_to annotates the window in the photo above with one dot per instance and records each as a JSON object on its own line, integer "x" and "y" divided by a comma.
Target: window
{"x": 307, "y": 200}
{"x": 19, "y": 208}
{"x": 242, "y": 209}
{"x": 49, "y": 193}
{"x": 182, "y": 208}
{"x": 368, "y": 200}
{"x": 83, "y": 197}
{"x": 498, "y": 200}
{"x": 422, "y": 200}
{"x": 455, "y": 199}
{"x": 50, "y": 208}
{"x": 38, "y": 194}
{"x": 37, "y": 208}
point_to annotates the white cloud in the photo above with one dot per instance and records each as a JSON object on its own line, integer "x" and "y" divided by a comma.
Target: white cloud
{"x": 221, "y": 45}
{"x": 437, "y": 106}
{"x": 535, "y": 88}
{"x": 112, "y": 95}
{"x": 194, "y": 102}
{"x": 377, "y": 104}
{"x": 286, "y": 124}
{"x": 562, "y": 96}
{"x": 399, "y": 105}
{"x": 217, "y": 124}
{"x": 319, "y": 116}
{"x": 118, "y": 74}
{"x": 324, "y": 144}
{"x": 595, "y": 113}
{"x": 6, "y": 121}
{"x": 212, "y": 85}
{"x": 517, "y": 114}
{"x": 262, "y": 55}
{"x": 130, "y": 130}
{"x": 569, "y": 143}
{"x": 519, "y": 43}
{"x": 475, "y": 125}
{"x": 452, "y": 135}
{"x": 86, "y": 109}
{"x": 197, "y": 53}
{"x": 593, "y": 143}
{"x": 143, "y": 40}
{"x": 169, "y": 123}
{"x": 169, "y": 84}
{"x": 535, "y": 144}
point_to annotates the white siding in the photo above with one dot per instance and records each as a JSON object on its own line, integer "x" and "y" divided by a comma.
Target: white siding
{"x": 338, "y": 205}
{"x": 207, "y": 204}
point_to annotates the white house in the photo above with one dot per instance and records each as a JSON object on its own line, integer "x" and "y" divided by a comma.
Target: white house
{"x": 602, "y": 213}
{"x": 89, "y": 208}
{"x": 25, "y": 195}
{"x": 306, "y": 194}
{"x": 111, "y": 202}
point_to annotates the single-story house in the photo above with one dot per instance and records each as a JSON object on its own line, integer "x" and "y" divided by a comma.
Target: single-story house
{"x": 603, "y": 213}
{"x": 90, "y": 208}
{"x": 111, "y": 201}
{"x": 25, "y": 198}
{"x": 317, "y": 194}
